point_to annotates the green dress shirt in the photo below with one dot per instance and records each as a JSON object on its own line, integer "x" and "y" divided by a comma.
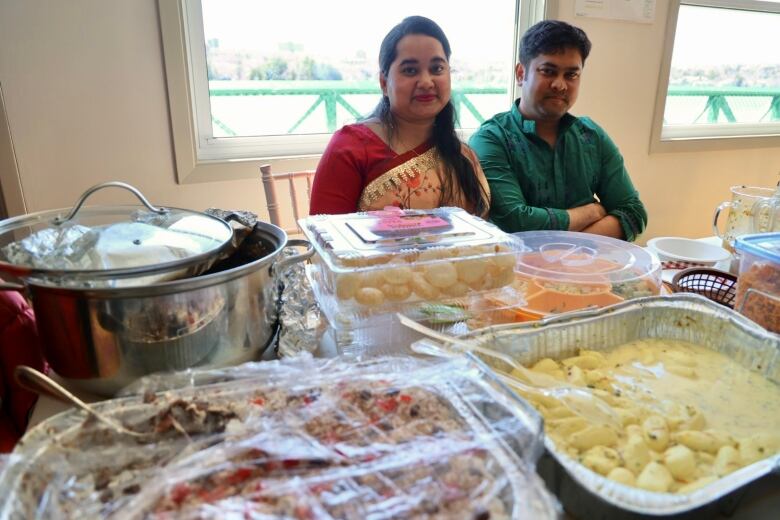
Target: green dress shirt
{"x": 533, "y": 185}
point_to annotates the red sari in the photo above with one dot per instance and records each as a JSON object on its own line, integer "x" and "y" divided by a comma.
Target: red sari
{"x": 359, "y": 172}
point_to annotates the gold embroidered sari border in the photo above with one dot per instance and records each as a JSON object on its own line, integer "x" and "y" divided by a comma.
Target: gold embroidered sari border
{"x": 394, "y": 177}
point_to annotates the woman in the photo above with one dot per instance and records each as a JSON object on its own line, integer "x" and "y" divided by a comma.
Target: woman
{"x": 406, "y": 154}
{"x": 19, "y": 345}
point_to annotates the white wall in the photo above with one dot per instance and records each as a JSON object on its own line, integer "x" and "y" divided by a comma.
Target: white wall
{"x": 85, "y": 100}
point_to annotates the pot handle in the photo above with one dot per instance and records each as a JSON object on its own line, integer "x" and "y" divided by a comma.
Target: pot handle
{"x": 115, "y": 184}
{"x": 287, "y": 262}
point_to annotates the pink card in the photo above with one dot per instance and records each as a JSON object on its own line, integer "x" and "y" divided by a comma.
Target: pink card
{"x": 395, "y": 221}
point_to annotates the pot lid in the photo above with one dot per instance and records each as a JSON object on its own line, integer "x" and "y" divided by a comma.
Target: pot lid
{"x": 99, "y": 242}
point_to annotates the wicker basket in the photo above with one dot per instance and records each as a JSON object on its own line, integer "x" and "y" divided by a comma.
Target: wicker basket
{"x": 718, "y": 286}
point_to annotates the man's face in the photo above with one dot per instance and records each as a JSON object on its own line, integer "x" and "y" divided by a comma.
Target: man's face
{"x": 549, "y": 84}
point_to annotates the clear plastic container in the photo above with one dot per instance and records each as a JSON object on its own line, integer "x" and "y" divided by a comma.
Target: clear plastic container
{"x": 384, "y": 334}
{"x": 758, "y": 285}
{"x": 561, "y": 271}
{"x": 381, "y": 261}
{"x": 369, "y": 332}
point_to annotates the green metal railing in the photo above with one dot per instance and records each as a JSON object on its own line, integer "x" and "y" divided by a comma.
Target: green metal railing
{"x": 717, "y": 100}
{"x": 332, "y": 94}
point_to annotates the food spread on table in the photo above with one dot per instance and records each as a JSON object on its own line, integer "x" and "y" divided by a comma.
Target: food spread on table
{"x": 370, "y": 440}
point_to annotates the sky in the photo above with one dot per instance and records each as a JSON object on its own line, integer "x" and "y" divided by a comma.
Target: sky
{"x": 709, "y": 37}
{"x": 483, "y": 31}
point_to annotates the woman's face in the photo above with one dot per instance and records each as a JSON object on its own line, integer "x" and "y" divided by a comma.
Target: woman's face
{"x": 418, "y": 82}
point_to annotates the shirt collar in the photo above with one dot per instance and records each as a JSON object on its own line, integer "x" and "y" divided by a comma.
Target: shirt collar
{"x": 528, "y": 126}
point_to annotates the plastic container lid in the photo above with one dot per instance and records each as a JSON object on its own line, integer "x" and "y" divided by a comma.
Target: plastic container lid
{"x": 107, "y": 242}
{"x": 358, "y": 240}
{"x": 562, "y": 271}
{"x": 764, "y": 245}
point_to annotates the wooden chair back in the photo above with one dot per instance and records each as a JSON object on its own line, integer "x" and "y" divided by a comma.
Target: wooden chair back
{"x": 287, "y": 197}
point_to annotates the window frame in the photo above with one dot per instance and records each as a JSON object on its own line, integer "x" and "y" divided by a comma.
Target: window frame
{"x": 200, "y": 159}
{"x": 689, "y": 138}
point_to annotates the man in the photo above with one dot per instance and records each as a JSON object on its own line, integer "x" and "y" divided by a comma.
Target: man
{"x": 548, "y": 169}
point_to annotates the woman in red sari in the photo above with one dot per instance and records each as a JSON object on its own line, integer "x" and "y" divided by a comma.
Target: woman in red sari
{"x": 406, "y": 153}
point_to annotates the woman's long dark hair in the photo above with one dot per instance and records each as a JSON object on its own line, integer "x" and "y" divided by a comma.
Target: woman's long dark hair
{"x": 445, "y": 139}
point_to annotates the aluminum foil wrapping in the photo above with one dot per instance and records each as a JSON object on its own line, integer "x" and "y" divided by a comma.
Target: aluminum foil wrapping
{"x": 54, "y": 248}
{"x": 242, "y": 223}
{"x": 300, "y": 318}
{"x": 151, "y": 218}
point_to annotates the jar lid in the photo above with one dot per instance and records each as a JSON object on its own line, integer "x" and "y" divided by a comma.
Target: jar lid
{"x": 107, "y": 242}
{"x": 764, "y": 245}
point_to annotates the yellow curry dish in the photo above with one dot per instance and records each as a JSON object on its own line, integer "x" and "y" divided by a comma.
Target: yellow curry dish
{"x": 660, "y": 415}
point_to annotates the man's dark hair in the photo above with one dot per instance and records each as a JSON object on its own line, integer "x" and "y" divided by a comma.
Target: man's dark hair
{"x": 552, "y": 37}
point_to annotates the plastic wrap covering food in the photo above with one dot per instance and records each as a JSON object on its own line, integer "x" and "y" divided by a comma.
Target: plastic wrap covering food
{"x": 392, "y": 438}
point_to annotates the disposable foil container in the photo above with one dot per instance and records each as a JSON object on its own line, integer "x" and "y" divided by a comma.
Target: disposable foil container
{"x": 687, "y": 317}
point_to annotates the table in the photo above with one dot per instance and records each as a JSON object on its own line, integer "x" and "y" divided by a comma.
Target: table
{"x": 760, "y": 502}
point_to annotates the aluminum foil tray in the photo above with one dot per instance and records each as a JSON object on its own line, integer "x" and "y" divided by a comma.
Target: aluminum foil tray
{"x": 310, "y": 438}
{"x": 684, "y": 317}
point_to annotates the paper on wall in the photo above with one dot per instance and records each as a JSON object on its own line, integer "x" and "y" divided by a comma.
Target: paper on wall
{"x": 641, "y": 11}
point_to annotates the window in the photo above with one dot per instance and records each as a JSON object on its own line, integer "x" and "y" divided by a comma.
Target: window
{"x": 723, "y": 71}
{"x": 253, "y": 80}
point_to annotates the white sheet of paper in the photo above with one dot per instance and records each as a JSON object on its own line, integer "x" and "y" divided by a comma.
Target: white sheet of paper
{"x": 641, "y": 11}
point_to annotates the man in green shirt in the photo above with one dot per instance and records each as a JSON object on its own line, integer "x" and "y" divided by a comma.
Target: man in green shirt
{"x": 548, "y": 169}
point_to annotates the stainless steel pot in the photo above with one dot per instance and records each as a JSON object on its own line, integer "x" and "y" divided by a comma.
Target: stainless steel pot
{"x": 101, "y": 339}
